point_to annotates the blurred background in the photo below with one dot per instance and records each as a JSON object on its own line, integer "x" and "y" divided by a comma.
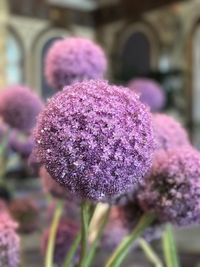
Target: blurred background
{"x": 147, "y": 38}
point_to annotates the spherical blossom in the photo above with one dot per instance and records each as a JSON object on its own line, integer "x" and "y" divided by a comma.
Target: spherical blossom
{"x": 50, "y": 185}
{"x": 26, "y": 213}
{"x": 150, "y": 93}
{"x": 168, "y": 132}
{"x": 172, "y": 191}
{"x": 19, "y": 107}
{"x": 21, "y": 144}
{"x": 9, "y": 242}
{"x": 95, "y": 139}
{"x": 66, "y": 233}
{"x": 74, "y": 59}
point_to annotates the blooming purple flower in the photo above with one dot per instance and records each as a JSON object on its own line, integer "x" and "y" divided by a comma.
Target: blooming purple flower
{"x": 9, "y": 241}
{"x": 95, "y": 139}
{"x": 26, "y": 213}
{"x": 74, "y": 59}
{"x": 50, "y": 185}
{"x": 172, "y": 191}
{"x": 19, "y": 107}
{"x": 150, "y": 93}
{"x": 66, "y": 233}
{"x": 168, "y": 132}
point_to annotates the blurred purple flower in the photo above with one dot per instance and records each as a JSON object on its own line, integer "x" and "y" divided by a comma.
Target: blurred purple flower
{"x": 74, "y": 59}
{"x": 95, "y": 139}
{"x": 9, "y": 242}
{"x": 172, "y": 191}
{"x": 19, "y": 107}
{"x": 168, "y": 132}
{"x": 150, "y": 93}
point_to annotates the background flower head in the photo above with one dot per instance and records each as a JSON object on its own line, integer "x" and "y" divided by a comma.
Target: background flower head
{"x": 172, "y": 191}
{"x": 9, "y": 241}
{"x": 168, "y": 132}
{"x": 95, "y": 139}
{"x": 150, "y": 92}
{"x": 19, "y": 107}
{"x": 74, "y": 59}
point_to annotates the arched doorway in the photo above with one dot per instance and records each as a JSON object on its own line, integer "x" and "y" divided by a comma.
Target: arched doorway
{"x": 138, "y": 51}
{"x": 136, "y": 56}
{"x": 14, "y": 60}
{"x": 41, "y": 46}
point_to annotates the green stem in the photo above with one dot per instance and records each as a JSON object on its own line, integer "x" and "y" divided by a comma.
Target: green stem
{"x": 93, "y": 248}
{"x": 74, "y": 247}
{"x": 150, "y": 254}
{"x": 72, "y": 251}
{"x": 85, "y": 217}
{"x": 169, "y": 248}
{"x": 52, "y": 237}
{"x": 122, "y": 250}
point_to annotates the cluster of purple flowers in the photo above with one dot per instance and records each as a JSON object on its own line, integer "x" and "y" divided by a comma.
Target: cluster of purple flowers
{"x": 74, "y": 59}
{"x": 9, "y": 241}
{"x": 103, "y": 135}
{"x": 19, "y": 107}
{"x": 150, "y": 93}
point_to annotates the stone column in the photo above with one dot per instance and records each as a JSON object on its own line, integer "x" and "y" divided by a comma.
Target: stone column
{"x": 4, "y": 13}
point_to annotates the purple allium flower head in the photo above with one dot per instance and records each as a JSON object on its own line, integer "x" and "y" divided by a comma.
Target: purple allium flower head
{"x": 9, "y": 242}
{"x": 19, "y": 107}
{"x": 168, "y": 132}
{"x": 50, "y": 185}
{"x": 74, "y": 59}
{"x": 96, "y": 139}
{"x": 172, "y": 191}
{"x": 26, "y": 213}
{"x": 66, "y": 233}
{"x": 21, "y": 144}
{"x": 150, "y": 93}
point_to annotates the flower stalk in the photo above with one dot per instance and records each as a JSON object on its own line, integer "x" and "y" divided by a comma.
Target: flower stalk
{"x": 122, "y": 250}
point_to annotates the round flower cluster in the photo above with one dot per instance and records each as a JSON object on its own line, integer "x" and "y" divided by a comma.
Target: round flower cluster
{"x": 50, "y": 185}
{"x": 104, "y": 138}
{"x": 19, "y": 107}
{"x": 150, "y": 93}
{"x": 172, "y": 191}
{"x": 9, "y": 241}
{"x": 26, "y": 213}
{"x": 74, "y": 59}
{"x": 66, "y": 233}
{"x": 168, "y": 132}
